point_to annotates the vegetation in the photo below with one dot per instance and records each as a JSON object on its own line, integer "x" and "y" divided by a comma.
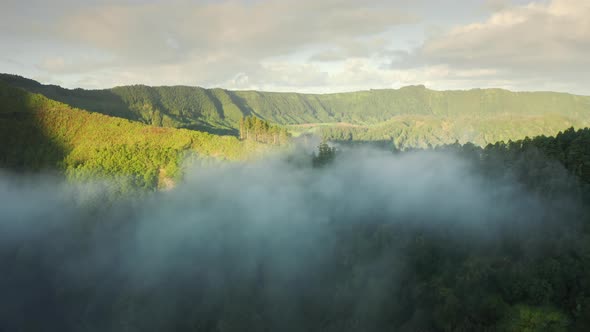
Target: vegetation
{"x": 39, "y": 133}
{"x": 360, "y": 266}
{"x": 255, "y": 129}
{"x": 513, "y": 287}
{"x": 409, "y": 117}
{"x": 422, "y": 131}
{"x": 348, "y": 273}
{"x": 326, "y": 154}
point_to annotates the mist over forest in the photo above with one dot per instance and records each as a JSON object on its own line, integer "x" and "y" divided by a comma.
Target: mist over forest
{"x": 371, "y": 240}
{"x": 294, "y": 166}
{"x": 111, "y": 223}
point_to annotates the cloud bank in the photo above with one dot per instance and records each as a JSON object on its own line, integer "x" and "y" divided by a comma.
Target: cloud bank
{"x": 304, "y": 46}
{"x": 538, "y": 44}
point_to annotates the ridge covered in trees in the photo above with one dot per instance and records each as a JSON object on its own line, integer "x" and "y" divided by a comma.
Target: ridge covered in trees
{"x": 38, "y": 133}
{"x": 410, "y": 117}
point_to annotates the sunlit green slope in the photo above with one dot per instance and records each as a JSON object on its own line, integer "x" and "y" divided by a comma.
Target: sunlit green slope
{"x": 38, "y": 133}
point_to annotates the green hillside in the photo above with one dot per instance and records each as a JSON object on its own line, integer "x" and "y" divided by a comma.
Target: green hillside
{"x": 410, "y": 131}
{"x": 411, "y": 116}
{"x": 39, "y": 133}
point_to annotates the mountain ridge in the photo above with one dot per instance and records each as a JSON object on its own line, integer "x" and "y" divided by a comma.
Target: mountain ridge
{"x": 39, "y": 133}
{"x": 3, "y": 76}
{"x": 481, "y": 116}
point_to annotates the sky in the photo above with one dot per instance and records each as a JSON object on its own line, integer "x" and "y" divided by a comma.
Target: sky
{"x": 317, "y": 46}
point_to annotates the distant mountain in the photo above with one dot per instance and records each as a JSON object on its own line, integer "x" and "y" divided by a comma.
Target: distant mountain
{"x": 413, "y": 116}
{"x": 39, "y": 133}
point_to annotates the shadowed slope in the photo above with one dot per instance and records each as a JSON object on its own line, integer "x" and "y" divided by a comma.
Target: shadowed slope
{"x": 26, "y": 144}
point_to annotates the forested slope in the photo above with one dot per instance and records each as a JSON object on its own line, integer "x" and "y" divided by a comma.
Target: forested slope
{"x": 411, "y": 116}
{"x": 40, "y": 133}
{"x": 423, "y": 131}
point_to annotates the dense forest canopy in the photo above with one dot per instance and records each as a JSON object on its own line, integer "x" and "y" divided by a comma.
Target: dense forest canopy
{"x": 413, "y": 116}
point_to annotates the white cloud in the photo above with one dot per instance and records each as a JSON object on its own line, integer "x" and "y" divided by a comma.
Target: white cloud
{"x": 169, "y": 32}
{"x": 208, "y": 42}
{"x": 301, "y": 45}
{"x": 53, "y": 64}
{"x": 535, "y": 42}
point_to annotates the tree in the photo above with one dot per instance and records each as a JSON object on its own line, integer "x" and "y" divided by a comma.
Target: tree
{"x": 253, "y": 128}
{"x": 326, "y": 155}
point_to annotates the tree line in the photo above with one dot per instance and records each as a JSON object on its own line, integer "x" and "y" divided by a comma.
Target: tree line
{"x": 258, "y": 130}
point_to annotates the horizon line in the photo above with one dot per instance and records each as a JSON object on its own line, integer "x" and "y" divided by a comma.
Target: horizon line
{"x": 423, "y": 86}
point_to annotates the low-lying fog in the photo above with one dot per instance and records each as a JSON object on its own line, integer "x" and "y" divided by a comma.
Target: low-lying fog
{"x": 237, "y": 247}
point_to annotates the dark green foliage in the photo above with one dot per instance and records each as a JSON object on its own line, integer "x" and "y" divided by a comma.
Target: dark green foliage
{"x": 325, "y": 156}
{"x": 25, "y": 146}
{"x": 538, "y": 158}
